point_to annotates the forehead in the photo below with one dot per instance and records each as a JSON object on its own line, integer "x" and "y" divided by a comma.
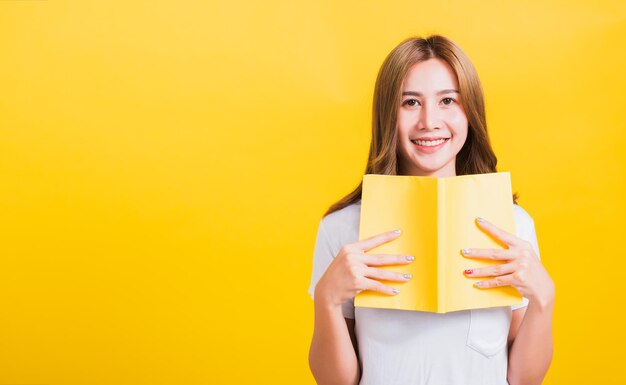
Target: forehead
{"x": 432, "y": 74}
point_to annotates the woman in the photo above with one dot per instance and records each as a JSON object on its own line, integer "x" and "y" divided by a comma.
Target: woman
{"x": 428, "y": 120}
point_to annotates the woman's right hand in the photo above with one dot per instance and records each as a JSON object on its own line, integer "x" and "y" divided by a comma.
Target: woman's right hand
{"x": 350, "y": 272}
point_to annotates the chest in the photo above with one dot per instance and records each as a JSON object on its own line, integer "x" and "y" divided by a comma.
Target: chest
{"x": 482, "y": 330}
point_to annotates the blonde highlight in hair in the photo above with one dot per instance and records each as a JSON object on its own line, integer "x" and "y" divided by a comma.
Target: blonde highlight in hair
{"x": 475, "y": 157}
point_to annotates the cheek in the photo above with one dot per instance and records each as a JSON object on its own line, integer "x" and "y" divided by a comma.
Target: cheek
{"x": 404, "y": 126}
{"x": 458, "y": 121}
{"x": 404, "y": 121}
{"x": 456, "y": 116}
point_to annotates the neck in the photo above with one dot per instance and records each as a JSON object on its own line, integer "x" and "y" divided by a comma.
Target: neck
{"x": 445, "y": 171}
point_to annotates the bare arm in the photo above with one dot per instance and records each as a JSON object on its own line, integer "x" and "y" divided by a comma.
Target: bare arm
{"x": 333, "y": 356}
{"x": 531, "y": 352}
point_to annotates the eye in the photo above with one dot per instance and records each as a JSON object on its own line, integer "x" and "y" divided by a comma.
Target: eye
{"x": 447, "y": 101}
{"x": 410, "y": 102}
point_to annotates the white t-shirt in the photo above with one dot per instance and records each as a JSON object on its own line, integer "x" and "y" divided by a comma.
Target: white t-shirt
{"x": 413, "y": 347}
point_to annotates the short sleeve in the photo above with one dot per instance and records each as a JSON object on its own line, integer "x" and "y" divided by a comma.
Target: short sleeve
{"x": 526, "y": 230}
{"x": 323, "y": 254}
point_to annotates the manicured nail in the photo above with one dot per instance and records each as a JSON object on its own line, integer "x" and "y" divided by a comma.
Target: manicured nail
{"x": 468, "y": 271}
{"x": 478, "y": 284}
{"x": 480, "y": 220}
{"x": 466, "y": 251}
{"x": 408, "y": 276}
{"x": 396, "y": 291}
{"x": 410, "y": 258}
{"x": 397, "y": 231}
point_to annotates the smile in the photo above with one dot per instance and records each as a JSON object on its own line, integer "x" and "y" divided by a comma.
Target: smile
{"x": 428, "y": 143}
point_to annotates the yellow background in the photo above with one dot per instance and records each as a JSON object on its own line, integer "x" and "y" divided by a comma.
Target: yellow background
{"x": 164, "y": 166}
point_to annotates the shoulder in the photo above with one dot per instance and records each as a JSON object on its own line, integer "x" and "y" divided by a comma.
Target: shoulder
{"x": 525, "y": 227}
{"x": 342, "y": 226}
{"x": 346, "y": 217}
{"x": 524, "y": 223}
{"x": 521, "y": 214}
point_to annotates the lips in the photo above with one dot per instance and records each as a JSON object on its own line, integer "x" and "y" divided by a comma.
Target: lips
{"x": 429, "y": 142}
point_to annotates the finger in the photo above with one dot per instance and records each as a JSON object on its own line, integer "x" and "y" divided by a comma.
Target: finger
{"x": 387, "y": 259}
{"x": 491, "y": 271}
{"x": 505, "y": 280}
{"x": 495, "y": 254}
{"x": 373, "y": 285}
{"x": 376, "y": 240}
{"x": 386, "y": 275}
{"x": 498, "y": 233}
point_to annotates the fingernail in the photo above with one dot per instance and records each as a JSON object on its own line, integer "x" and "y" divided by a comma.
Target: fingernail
{"x": 408, "y": 276}
{"x": 479, "y": 220}
{"x": 396, "y": 291}
{"x": 468, "y": 271}
{"x": 410, "y": 258}
{"x": 466, "y": 251}
{"x": 478, "y": 284}
{"x": 397, "y": 231}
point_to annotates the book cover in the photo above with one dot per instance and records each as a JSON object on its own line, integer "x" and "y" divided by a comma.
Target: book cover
{"x": 437, "y": 219}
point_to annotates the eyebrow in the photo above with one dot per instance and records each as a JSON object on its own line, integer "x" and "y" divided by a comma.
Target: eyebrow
{"x": 414, "y": 93}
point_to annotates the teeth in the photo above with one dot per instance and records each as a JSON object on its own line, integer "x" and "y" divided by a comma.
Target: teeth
{"x": 428, "y": 143}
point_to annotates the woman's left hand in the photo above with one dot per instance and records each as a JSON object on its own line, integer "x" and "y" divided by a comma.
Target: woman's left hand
{"x": 522, "y": 268}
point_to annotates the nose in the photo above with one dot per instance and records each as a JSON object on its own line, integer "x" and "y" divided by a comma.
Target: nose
{"x": 429, "y": 117}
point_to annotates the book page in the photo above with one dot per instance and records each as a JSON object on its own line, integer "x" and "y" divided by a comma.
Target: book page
{"x": 392, "y": 202}
{"x": 467, "y": 197}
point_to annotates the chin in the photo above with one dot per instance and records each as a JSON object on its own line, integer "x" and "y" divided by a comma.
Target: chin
{"x": 428, "y": 168}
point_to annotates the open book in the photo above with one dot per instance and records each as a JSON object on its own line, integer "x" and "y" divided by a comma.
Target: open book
{"x": 437, "y": 219}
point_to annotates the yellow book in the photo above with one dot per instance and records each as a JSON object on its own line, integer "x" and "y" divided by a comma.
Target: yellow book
{"x": 437, "y": 219}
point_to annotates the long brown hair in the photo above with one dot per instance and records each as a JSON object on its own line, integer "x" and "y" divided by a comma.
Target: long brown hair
{"x": 475, "y": 157}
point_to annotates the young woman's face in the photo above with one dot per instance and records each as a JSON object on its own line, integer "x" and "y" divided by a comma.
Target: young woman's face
{"x": 432, "y": 126}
